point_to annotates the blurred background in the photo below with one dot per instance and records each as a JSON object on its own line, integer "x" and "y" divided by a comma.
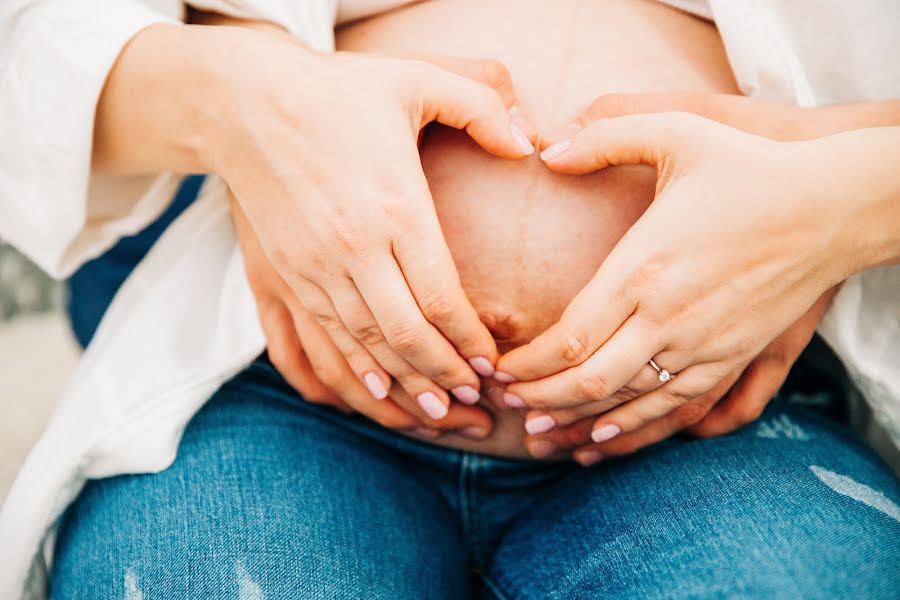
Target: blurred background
{"x": 37, "y": 355}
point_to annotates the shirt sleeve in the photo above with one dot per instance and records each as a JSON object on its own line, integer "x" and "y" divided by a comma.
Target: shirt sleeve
{"x": 311, "y": 21}
{"x": 55, "y": 56}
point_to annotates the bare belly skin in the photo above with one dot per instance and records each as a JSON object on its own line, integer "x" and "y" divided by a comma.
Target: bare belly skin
{"x": 524, "y": 239}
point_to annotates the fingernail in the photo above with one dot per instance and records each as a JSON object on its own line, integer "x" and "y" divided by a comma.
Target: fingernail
{"x": 607, "y": 432}
{"x": 504, "y": 377}
{"x": 432, "y": 405}
{"x": 588, "y": 458}
{"x": 541, "y": 424}
{"x": 376, "y": 388}
{"x": 513, "y": 401}
{"x": 522, "y": 140}
{"x": 466, "y": 394}
{"x": 428, "y": 433}
{"x": 541, "y": 448}
{"x": 551, "y": 152}
{"x": 473, "y": 433}
{"x": 482, "y": 366}
{"x": 517, "y": 118}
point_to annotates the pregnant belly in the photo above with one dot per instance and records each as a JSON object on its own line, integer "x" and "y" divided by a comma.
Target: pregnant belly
{"x": 526, "y": 240}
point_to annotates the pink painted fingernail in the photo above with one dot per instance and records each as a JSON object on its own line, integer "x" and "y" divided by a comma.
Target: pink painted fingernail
{"x": 376, "y": 388}
{"x": 551, "y": 152}
{"x": 473, "y": 433}
{"x": 482, "y": 366}
{"x": 504, "y": 377}
{"x": 588, "y": 458}
{"x": 466, "y": 394}
{"x": 541, "y": 424}
{"x": 541, "y": 448}
{"x": 607, "y": 432}
{"x": 513, "y": 401}
{"x": 432, "y": 405}
{"x": 427, "y": 433}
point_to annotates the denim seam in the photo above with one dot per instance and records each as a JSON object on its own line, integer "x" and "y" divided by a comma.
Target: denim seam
{"x": 474, "y": 522}
{"x": 464, "y": 508}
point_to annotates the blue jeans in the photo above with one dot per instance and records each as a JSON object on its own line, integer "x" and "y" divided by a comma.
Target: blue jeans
{"x": 271, "y": 497}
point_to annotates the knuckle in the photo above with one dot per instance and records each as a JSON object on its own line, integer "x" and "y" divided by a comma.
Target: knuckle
{"x": 330, "y": 322}
{"x": 368, "y": 334}
{"x": 348, "y": 240}
{"x": 626, "y": 394}
{"x": 593, "y": 387}
{"x": 437, "y": 308}
{"x": 574, "y": 349}
{"x": 674, "y": 399}
{"x": 691, "y": 413}
{"x": 406, "y": 339}
{"x": 494, "y": 73}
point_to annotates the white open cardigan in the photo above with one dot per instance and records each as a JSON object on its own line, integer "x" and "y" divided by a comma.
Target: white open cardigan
{"x": 185, "y": 320}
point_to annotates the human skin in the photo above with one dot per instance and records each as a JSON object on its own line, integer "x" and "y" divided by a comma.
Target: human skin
{"x": 740, "y": 405}
{"x": 526, "y": 240}
{"x": 189, "y": 98}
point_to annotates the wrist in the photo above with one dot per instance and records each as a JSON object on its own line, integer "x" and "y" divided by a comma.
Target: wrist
{"x": 859, "y": 170}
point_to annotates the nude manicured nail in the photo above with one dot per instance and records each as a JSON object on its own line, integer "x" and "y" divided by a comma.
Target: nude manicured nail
{"x": 522, "y": 140}
{"x": 551, "y": 152}
{"x": 466, "y": 394}
{"x": 376, "y": 388}
{"x": 607, "y": 432}
{"x": 504, "y": 377}
{"x": 588, "y": 458}
{"x": 541, "y": 424}
{"x": 541, "y": 448}
{"x": 482, "y": 366}
{"x": 473, "y": 433}
{"x": 513, "y": 401}
{"x": 432, "y": 405}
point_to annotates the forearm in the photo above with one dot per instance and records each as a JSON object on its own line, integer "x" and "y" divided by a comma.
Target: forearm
{"x": 170, "y": 100}
{"x": 864, "y": 167}
{"x": 837, "y": 118}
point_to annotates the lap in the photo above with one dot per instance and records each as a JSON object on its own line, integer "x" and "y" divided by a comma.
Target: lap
{"x": 264, "y": 500}
{"x": 788, "y": 507}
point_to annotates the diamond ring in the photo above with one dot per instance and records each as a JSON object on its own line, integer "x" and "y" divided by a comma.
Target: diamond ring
{"x": 664, "y": 375}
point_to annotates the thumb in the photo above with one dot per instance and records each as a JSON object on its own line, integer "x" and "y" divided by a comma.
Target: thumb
{"x": 484, "y": 108}
{"x": 657, "y": 139}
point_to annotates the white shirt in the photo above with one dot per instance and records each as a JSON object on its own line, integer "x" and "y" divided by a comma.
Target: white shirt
{"x": 185, "y": 321}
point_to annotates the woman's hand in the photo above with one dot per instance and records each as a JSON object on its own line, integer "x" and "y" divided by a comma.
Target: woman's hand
{"x": 736, "y": 401}
{"x": 305, "y": 356}
{"x": 321, "y": 153}
{"x": 323, "y": 159}
{"x": 744, "y": 235}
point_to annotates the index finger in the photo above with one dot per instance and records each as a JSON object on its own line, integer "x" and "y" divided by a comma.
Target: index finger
{"x": 591, "y": 319}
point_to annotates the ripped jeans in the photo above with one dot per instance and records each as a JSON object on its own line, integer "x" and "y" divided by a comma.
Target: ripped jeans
{"x": 271, "y": 498}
